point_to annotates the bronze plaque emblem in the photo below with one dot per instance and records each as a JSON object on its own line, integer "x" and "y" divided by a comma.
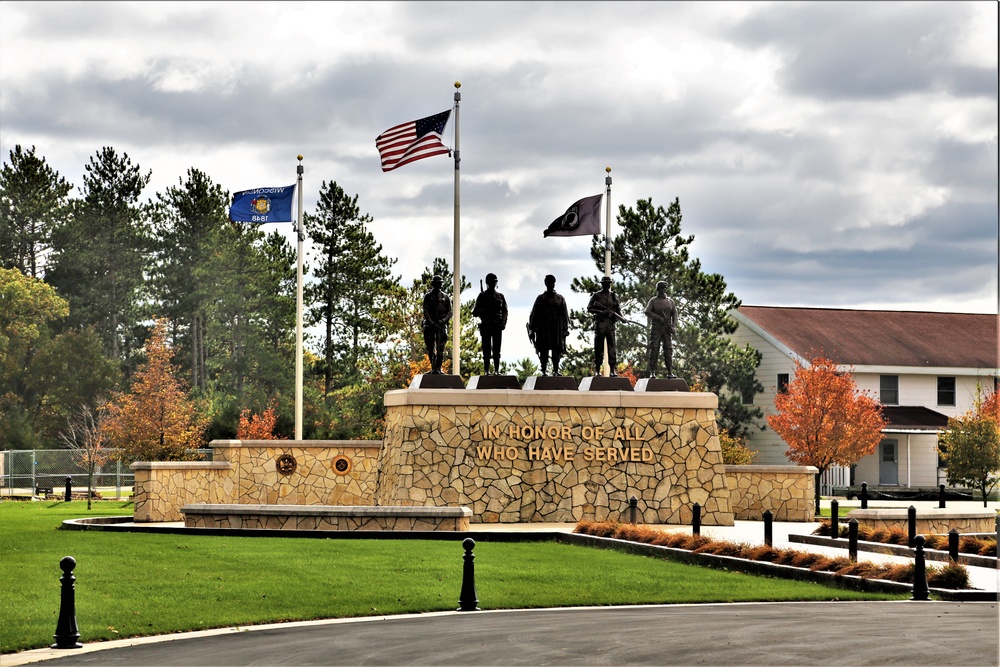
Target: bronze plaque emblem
{"x": 286, "y": 464}
{"x": 341, "y": 465}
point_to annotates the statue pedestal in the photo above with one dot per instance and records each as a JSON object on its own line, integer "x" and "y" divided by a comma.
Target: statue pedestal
{"x": 661, "y": 384}
{"x": 549, "y": 383}
{"x": 436, "y": 381}
{"x": 601, "y": 383}
{"x": 494, "y": 382}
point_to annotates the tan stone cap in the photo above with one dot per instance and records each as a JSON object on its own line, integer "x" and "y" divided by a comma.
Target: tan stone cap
{"x": 788, "y": 470}
{"x": 329, "y": 510}
{"x": 570, "y": 399}
{"x": 181, "y": 465}
{"x": 296, "y": 443}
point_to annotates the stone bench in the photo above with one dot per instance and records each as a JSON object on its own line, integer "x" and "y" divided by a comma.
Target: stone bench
{"x": 327, "y": 517}
{"x": 933, "y": 521}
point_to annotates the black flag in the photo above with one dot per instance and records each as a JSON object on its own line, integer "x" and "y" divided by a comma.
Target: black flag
{"x": 581, "y": 219}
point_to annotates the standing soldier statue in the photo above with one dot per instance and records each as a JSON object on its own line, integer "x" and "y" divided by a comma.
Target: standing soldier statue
{"x": 491, "y": 309}
{"x": 548, "y": 326}
{"x": 606, "y": 309}
{"x": 662, "y": 314}
{"x": 437, "y": 314}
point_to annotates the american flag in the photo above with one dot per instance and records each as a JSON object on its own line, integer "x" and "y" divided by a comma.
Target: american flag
{"x": 412, "y": 141}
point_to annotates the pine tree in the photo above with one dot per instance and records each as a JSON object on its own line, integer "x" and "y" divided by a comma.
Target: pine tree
{"x": 650, "y": 248}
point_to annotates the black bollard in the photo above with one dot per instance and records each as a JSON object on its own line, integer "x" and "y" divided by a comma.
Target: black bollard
{"x": 468, "y": 600}
{"x": 953, "y": 545}
{"x": 920, "y": 590}
{"x": 633, "y": 503}
{"x": 69, "y": 488}
{"x": 864, "y": 495}
{"x": 696, "y": 519}
{"x": 834, "y": 519}
{"x": 941, "y": 497}
{"x": 911, "y": 525}
{"x": 768, "y": 528}
{"x": 852, "y": 540}
{"x": 67, "y": 633}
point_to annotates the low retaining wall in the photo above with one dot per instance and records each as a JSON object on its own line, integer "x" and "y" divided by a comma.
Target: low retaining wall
{"x": 935, "y": 520}
{"x": 787, "y": 491}
{"x": 322, "y": 517}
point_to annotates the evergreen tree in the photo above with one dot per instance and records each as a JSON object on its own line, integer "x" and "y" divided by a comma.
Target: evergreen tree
{"x": 187, "y": 220}
{"x": 353, "y": 281}
{"x": 650, "y": 248}
{"x": 33, "y": 199}
{"x": 101, "y": 254}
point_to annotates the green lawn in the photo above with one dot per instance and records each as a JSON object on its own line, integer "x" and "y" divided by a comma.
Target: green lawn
{"x": 130, "y": 584}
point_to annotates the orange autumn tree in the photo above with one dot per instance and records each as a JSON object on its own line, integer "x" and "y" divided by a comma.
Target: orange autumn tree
{"x": 156, "y": 420}
{"x": 825, "y": 419}
{"x": 258, "y": 427}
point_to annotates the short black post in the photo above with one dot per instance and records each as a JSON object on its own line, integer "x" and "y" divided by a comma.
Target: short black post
{"x": 953, "y": 545}
{"x": 920, "y": 590}
{"x": 911, "y": 525}
{"x": 67, "y": 633}
{"x": 69, "y": 488}
{"x": 696, "y": 519}
{"x": 941, "y": 496}
{"x": 834, "y": 519}
{"x": 468, "y": 600}
{"x": 768, "y": 528}
{"x": 633, "y": 504}
{"x": 852, "y": 540}
{"x": 864, "y": 495}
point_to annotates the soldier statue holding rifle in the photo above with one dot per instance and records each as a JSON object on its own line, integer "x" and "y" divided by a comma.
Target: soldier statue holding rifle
{"x": 662, "y": 314}
{"x": 606, "y": 309}
{"x": 437, "y": 314}
{"x": 491, "y": 309}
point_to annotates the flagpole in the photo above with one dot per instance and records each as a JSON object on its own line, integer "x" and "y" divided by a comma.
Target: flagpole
{"x": 456, "y": 304}
{"x": 607, "y": 252}
{"x": 299, "y": 233}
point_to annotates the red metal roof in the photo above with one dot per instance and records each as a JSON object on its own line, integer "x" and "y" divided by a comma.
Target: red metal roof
{"x": 883, "y": 337}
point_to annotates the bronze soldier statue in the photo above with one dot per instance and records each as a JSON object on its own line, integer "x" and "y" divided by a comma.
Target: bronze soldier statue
{"x": 548, "y": 326}
{"x": 662, "y": 314}
{"x": 437, "y": 314}
{"x": 491, "y": 309}
{"x": 606, "y": 309}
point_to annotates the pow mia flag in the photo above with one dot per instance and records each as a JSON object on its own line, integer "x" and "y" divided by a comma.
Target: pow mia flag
{"x": 581, "y": 219}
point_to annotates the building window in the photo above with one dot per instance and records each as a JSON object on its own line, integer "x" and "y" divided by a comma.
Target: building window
{"x": 889, "y": 389}
{"x": 946, "y": 391}
{"x": 782, "y": 382}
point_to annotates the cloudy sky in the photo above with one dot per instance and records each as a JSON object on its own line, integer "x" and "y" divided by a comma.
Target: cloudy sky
{"x": 824, "y": 154}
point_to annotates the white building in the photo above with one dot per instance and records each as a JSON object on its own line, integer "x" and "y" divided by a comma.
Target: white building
{"x": 923, "y": 367}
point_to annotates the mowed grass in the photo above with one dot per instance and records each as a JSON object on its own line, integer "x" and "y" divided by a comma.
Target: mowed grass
{"x": 133, "y": 584}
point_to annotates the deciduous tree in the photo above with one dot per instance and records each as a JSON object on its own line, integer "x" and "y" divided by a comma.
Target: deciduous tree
{"x": 971, "y": 446}
{"x": 156, "y": 420}
{"x": 84, "y": 435}
{"x": 825, "y": 419}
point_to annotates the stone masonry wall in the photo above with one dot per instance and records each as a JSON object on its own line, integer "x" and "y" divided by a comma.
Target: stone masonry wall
{"x": 316, "y": 472}
{"x": 788, "y": 491}
{"x": 551, "y": 456}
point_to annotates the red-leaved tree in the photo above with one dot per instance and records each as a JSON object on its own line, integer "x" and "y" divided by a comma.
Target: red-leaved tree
{"x": 825, "y": 419}
{"x": 257, "y": 427}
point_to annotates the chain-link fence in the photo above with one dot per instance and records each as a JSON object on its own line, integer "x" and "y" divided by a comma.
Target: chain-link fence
{"x": 25, "y": 472}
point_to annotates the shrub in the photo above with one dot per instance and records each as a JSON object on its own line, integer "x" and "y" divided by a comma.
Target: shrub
{"x": 862, "y": 568}
{"x": 897, "y": 536}
{"x": 952, "y": 575}
{"x": 763, "y": 553}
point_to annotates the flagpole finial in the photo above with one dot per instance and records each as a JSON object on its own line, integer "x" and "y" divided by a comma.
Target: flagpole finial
{"x": 607, "y": 169}
{"x": 300, "y": 159}
{"x": 458, "y": 84}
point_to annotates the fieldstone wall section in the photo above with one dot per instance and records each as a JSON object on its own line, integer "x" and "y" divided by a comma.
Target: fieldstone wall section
{"x": 285, "y": 472}
{"x": 788, "y": 491}
{"x": 931, "y": 521}
{"x": 555, "y": 456}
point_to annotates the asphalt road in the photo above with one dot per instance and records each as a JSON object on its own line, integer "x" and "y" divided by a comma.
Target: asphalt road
{"x": 791, "y": 633}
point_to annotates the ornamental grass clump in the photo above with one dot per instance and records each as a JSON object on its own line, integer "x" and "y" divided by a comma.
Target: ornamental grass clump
{"x": 967, "y": 544}
{"x": 952, "y": 575}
